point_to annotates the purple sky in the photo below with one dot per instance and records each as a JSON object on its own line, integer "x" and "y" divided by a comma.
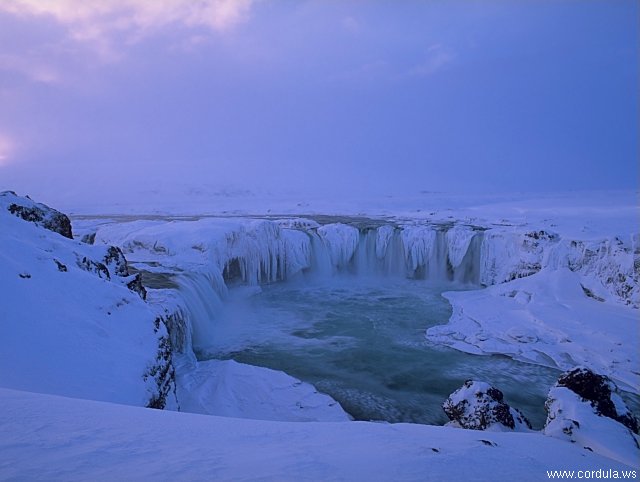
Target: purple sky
{"x": 324, "y": 96}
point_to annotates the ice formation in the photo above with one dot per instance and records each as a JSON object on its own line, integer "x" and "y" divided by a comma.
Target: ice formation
{"x": 515, "y": 262}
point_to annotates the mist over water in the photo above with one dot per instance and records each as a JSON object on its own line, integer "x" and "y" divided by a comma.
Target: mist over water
{"x": 361, "y": 340}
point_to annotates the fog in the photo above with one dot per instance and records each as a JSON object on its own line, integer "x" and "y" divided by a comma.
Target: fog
{"x": 100, "y": 99}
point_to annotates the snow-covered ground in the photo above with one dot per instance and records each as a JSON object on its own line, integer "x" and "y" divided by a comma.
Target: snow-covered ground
{"x": 231, "y": 389}
{"x": 46, "y": 437}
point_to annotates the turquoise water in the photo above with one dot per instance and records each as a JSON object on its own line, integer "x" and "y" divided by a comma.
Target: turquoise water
{"x": 362, "y": 342}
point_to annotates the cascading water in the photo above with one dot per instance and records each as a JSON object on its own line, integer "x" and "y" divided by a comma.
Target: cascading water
{"x": 387, "y": 251}
{"x": 350, "y": 315}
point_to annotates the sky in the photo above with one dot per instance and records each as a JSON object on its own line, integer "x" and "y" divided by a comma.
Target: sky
{"x": 317, "y": 96}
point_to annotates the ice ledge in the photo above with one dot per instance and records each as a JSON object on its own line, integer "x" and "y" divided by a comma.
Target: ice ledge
{"x": 545, "y": 319}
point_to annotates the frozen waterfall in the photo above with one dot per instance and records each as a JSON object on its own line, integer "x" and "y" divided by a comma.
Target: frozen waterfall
{"x": 267, "y": 251}
{"x": 417, "y": 252}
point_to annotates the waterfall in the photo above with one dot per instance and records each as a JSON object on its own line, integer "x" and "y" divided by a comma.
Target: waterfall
{"x": 202, "y": 294}
{"x": 269, "y": 253}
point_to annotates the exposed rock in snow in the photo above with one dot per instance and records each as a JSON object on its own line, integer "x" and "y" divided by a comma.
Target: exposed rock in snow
{"x": 116, "y": 262}
{"x": 586, "y": 409}
{"x": 36, "y": 213}
{"x": 479, "y": 406}
{"x": 601, "y": 393}
{"x": 73, "y": 327}
{"x": 162, "y": 371}
{"x": 606, "y": 265}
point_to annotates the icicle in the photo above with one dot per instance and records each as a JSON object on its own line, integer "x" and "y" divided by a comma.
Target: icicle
{"x": 458, "y": 241}
{"x": 341, "y": 240}
{"x": 419, "y": 245}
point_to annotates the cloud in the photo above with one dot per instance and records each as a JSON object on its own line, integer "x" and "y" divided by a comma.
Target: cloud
{"x": 99, "y": 22}
{"x": 30, "y": 67}
{"x": 7, "y": 147}
{"x": 438, "y": 57}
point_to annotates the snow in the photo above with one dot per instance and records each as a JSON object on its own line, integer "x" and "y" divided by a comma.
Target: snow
{"x": 231, "y": 389}
{"x": 547, "y": 319}
{"x": 66, "y": 330}
{"x": 573, "y": 214}
{"x": 47, "y": 437}
{"x": 571, "y": 418}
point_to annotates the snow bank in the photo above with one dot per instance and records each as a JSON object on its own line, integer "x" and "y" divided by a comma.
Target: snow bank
{"x": 54, "y": 438}
{"x": 231, "y": 389}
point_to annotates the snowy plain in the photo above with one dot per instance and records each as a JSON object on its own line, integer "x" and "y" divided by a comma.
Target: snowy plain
{"x": 546, "y": 317}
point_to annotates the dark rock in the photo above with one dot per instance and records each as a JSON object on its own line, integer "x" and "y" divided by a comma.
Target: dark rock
{"x": 543, "y": 235}
{"x": 95, "y": 267}
{"x": 179, "y": 331}
{"x": 489, "y": 443}
{"x": 585, "y": 408}
{"x": 89, "y": 238}
{"x": 135, "y": 285}
{"x": 163, "y": 373}
{"x": 591, "y": 294}
{"x": 115, "y": 260}
{"x": 601, "y": 392}
{"x": 61, "y": 267}
{"x": 39, "y": 214}
{"x": 478, "y": 405}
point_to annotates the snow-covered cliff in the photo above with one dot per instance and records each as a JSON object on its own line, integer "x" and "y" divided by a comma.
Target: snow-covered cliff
{"x": 74, "y": 321}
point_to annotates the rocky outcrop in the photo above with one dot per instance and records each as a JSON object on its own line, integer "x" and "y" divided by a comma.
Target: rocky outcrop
{"x": 179, "y": 331}
{"x": 116, "y": 262}
{"x": 586, "y": 409}
{"x": 600, "y": 392}
{"x": 162, "y": 371}
{"x": 479, "y": 406}
{"x": 613, "y": 262}
{"x": 608, "y": 267}
{"x": 39, "y": 214}
{"x": 113, "y": 266}
{"x": 134, "y": 283}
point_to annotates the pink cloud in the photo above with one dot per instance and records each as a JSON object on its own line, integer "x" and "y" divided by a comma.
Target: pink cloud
{"x": 99, "y": 22}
